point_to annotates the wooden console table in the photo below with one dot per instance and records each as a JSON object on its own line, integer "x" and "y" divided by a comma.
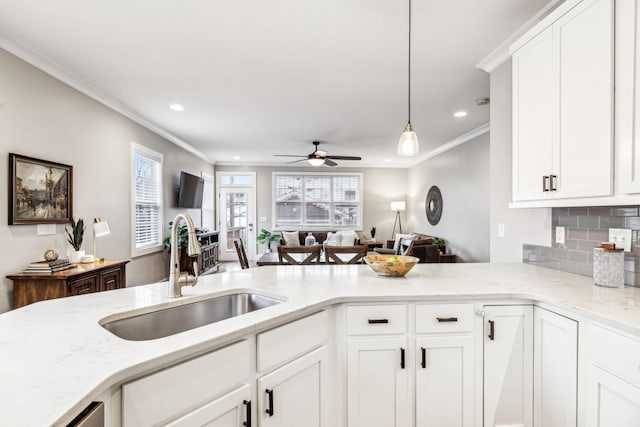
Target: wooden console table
{"x": 83, "y": 279}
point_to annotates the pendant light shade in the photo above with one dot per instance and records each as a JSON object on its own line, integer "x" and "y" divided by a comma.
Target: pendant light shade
{"x": 408, "y": 144}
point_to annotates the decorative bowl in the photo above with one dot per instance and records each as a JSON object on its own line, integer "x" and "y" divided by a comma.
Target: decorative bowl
{"x": 391, "y": 265}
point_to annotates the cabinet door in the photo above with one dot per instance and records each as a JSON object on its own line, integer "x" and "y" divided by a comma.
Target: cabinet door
{"x": 555, "y": 367}
{"x": 444, "y": 381}
{"x": 230, "y": 410}
{"x": 611, "y": 401}
{"x": 110, "y": 280}
{"x": 378, "y": 383}
{"x": 84, "y": 285}
{"x": 583, "y": 158}
{"x": 508, "y": 366}
{"x": 296, "y": 394}
{"x": 627, "y": 100}
{"x": 534, "y": 95}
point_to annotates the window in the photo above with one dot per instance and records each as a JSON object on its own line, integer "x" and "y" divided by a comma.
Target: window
{"x": 208, "y": 194}
{"x": 317, "y": 200}
{"x": 146, "y": 178}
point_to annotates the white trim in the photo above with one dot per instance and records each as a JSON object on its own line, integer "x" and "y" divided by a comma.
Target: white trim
{"x": 209, "y": 177}
{"x": 135, "y": 147}
{"x": 501, "y": 53}
{"x": 462, "y": 139}
{"x": 67, "y": 77}
{"x": 251, "y": 247}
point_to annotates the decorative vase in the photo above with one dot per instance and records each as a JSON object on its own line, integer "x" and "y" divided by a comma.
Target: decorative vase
{"x": 310, "y": 240}
{"x": 75, "y": 256}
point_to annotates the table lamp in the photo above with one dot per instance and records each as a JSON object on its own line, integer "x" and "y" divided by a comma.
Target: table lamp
{"x": 100, "y": 228}
{"x": 397, "y": 206}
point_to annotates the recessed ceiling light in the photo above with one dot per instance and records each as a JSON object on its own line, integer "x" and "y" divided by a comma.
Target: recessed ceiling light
{"x": 459, "y": 114}
{"x": 236, "y": 157}
{"x": 176, "y": 107}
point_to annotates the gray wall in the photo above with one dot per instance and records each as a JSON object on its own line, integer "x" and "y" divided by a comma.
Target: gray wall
{"x": 380, "y": 186}
{"x": 462, "y": 174}
{"x": 521, "y": 225}
{"x": 44, "y": 118}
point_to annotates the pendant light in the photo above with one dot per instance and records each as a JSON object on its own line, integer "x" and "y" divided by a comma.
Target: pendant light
{"x": 408, "y": 144}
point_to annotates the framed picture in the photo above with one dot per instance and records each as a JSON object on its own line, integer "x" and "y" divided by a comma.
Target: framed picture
{"x": 40, "y": 192}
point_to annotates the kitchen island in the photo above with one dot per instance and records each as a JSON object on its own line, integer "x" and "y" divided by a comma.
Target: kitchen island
{"x": 57, "y": 358}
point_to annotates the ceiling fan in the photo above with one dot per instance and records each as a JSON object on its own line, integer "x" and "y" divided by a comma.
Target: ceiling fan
{"x": 318, "y": 157}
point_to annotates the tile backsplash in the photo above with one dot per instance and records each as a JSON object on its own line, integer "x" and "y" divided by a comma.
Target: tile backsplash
{"x": 585, "y": 228}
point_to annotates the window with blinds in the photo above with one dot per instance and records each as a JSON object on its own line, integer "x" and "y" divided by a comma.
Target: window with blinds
{"x": 147, "y": 200}
{"x": 317, "y": 201}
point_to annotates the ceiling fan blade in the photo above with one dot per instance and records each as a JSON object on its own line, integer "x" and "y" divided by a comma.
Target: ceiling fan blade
{"x": 287, "y": 155}
{"x": 328, "y": 162}
{"x": 344, "y": 157}
{"x": 296, "y": 161}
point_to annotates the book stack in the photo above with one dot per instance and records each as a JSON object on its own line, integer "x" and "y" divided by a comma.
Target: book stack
{"x": 49, "y": 266}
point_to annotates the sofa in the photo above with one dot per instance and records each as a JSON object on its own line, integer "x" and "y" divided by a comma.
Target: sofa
{"x": 418, "y": 245}
{"x": 320, "y": 236}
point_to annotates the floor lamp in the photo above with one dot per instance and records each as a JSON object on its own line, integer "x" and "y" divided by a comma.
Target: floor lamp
{"x": 397, "y": 206}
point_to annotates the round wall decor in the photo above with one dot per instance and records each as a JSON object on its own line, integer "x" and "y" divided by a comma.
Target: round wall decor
{"x": 434, "y": 205}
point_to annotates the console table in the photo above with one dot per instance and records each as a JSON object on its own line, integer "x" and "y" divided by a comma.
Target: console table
{"x": 83, "y": 279}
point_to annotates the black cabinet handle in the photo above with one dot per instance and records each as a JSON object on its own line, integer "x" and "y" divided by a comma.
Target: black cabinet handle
{"x": 247, "y": 404}
{"x": 492, "y": 331}
{"x": 545, "y": 179}
{"x": 552, "y": 181}
{"x": 424, "y": 357}
{"x": 269, "y": 410}
{"x": 378, "y": 321}
{"x": 401, "y": 358}
{"x": 447, "y": 319}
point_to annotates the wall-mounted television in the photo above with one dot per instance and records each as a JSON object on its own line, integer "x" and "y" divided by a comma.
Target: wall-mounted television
{"x": 190, "y": 193}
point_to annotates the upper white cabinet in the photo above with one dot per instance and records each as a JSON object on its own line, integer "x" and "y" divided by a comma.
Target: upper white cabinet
{"x": 563, "y": 106}
{"x": 627, "y": 97}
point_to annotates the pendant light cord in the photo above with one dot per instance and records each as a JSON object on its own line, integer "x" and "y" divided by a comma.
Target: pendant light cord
{"x": 409, "y": 85}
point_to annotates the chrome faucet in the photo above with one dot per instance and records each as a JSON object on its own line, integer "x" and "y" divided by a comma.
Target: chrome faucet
{"x": 176, "y": 281}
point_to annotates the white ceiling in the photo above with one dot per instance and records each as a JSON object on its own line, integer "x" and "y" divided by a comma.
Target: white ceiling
{"x": 259, "y": 78}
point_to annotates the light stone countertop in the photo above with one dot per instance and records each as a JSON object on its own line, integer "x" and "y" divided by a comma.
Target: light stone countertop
{"x": 55, "y": 358}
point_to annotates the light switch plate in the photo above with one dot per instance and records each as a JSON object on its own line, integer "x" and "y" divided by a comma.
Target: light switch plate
{"x": 560, "y": 234}
{"x": 45, "y": 229}
{"x": 621, "y": 237}
{"x": 501, "y": 230}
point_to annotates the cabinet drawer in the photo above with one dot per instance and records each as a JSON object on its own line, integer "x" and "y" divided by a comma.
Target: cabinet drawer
{"x": 291, "y": 340}
{"x": 155, "y": 399}
{"x": 83, "y": 285}
{"x": 376, "y": 319}
{"x": 615, "y": 353}
{"x": 432, "y": 318}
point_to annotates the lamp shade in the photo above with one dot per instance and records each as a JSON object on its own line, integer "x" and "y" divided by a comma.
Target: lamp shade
{"x": 100, "y": 228}
{"x": 398, "y": 206}
{"x": 408, "y": 144}
{"x": 315, "y": 161}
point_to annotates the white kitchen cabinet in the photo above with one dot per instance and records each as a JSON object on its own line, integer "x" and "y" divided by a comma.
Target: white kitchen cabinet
{"x": 508, "y": 366}
{"x": 627, "y": 101}
{"x": 555, "y": 368}
{"x": 230, "y": 410}
{"x": 563, "y": 107}
{"x": 296, "y": 394}
{"x": 444, "y": 381}
{"x": 378, "y": 383}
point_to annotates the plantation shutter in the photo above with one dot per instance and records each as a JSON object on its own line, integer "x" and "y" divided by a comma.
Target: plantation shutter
{"x": 147, "y": 200}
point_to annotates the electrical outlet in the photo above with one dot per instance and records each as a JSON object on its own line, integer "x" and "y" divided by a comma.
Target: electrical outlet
{"x": 560, "y": 233}
{"x": 621, "y": 237}
{"x": 501, "y": 230}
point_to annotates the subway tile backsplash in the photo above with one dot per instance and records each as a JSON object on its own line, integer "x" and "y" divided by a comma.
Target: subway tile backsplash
{"x": 585, "y": 229}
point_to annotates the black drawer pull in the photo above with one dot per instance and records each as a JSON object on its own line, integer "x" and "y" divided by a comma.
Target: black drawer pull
{"x": 492, "y": 331}
{"x": 447, "y": 319}
{"x": 424, "y": 357}
{"x": 401, "y": 358}
{"x": 269, "y": 410}
{"x": 247, "y": 404}
{"x": 378, "y": 321}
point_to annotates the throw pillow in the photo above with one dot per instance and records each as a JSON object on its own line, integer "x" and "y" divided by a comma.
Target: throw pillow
{"x": 332, "y": 239}
{"x": 347, "y": 238}
{"x": 399, "y": 237}
{"x": 291, "y": 238}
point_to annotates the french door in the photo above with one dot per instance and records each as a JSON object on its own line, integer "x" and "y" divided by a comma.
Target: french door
{"x": 236, "y": 221}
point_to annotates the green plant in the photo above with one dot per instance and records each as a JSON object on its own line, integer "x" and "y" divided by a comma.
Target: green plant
{"x": 183, "y": 236}
{"x": 373, "y": 232}
{"x": 267, "y": 237}
{"x": 76, "y": 234}
{"x": 437, "y": 241}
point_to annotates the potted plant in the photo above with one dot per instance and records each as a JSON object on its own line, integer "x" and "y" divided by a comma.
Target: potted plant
{"x": 75, "y": 236}
{"x": 183, "y": 236}
{"x": 440, "y": 244}
{"x": 373, "y": 233}
{"x": 267, "y": 237}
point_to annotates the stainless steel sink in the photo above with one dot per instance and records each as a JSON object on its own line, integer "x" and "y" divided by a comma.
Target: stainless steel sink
{"x": 169, "y": 321}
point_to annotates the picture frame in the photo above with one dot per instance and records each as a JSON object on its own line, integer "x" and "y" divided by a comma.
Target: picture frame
{"x": 40, "y": 191}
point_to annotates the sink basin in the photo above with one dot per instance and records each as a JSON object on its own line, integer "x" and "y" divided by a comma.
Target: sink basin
{"x": 170, "y": 321}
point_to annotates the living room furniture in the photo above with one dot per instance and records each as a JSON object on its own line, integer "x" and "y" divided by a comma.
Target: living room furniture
{"x": 87, "y": 278}
{"x": 331, "y": 254}
{"x": 420, "y": 246}
{"x": 208, "y": 260}
{"x": 447, "y": 258}
{"x": 242, "y": 254}
{"x": 310, "y": 254}
{"x": 320, "y": 237}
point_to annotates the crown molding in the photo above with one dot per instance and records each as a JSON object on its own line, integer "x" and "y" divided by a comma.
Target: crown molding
{"x": 58, "y": 72}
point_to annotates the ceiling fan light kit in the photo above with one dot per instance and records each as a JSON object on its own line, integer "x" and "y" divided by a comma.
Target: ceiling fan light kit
{"x": 315, "y": 161}
{"x": 408, "y": 144}
{"x": 319, "y": 157}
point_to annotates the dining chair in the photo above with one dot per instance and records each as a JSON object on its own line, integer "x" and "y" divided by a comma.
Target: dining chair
{"x": 332, "y": 254}
{"x": 305, "y": 254}
{"x": 242, "y": 254}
